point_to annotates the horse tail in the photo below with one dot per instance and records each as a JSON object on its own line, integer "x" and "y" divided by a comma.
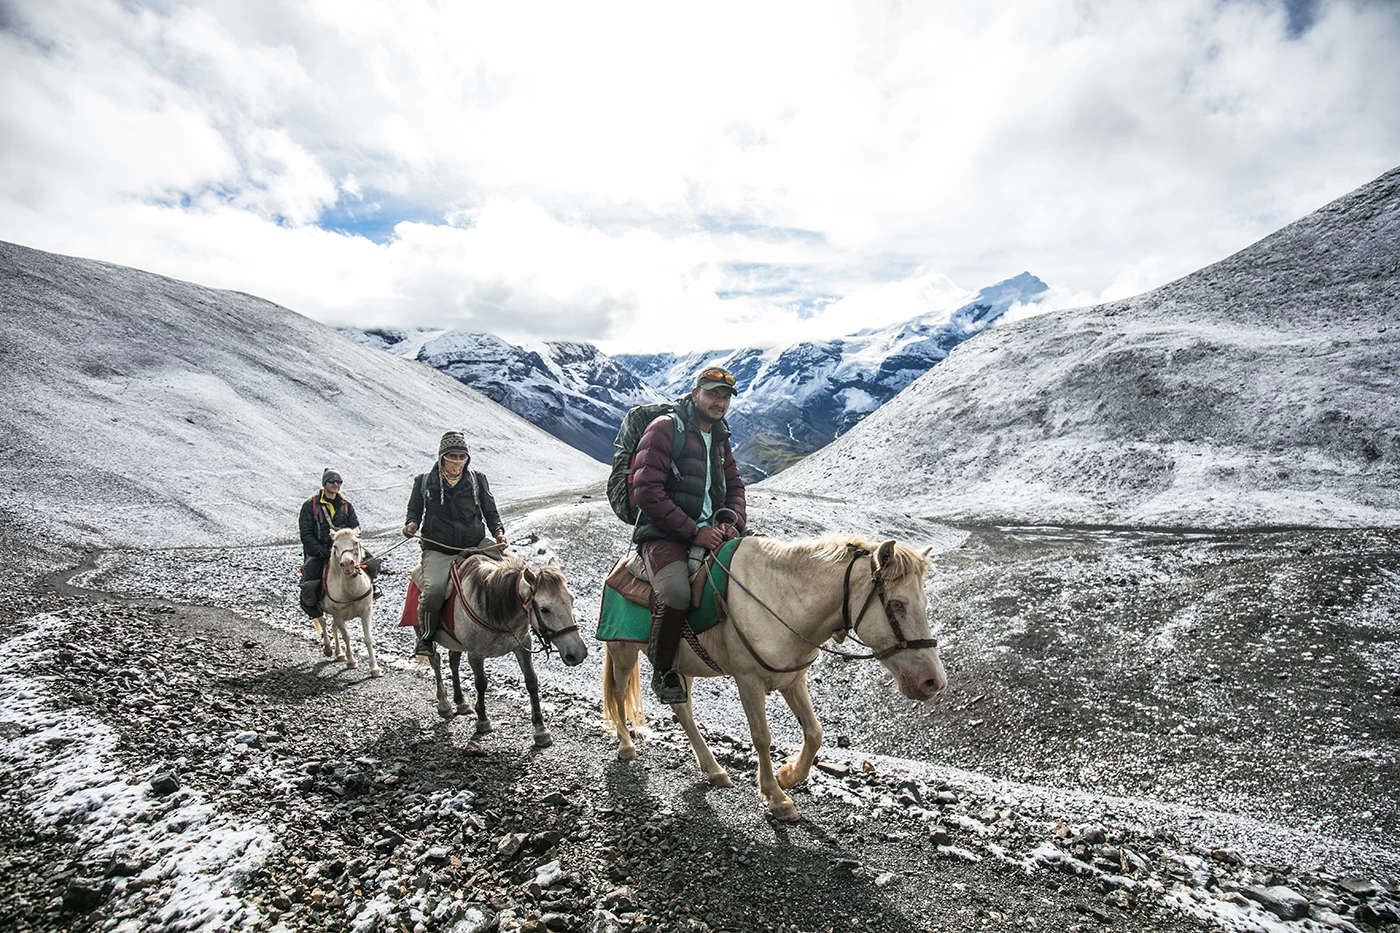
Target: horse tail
{"x": 631, "y": 702}
{"x": 320, "y": 632}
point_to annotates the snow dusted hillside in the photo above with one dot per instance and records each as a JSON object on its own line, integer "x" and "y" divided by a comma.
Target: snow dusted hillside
{"x": 570, "y": 389}
{"x": 796, "y": 399}
{"x": 1261, "y": 390}
{"x": 143, "y": 410}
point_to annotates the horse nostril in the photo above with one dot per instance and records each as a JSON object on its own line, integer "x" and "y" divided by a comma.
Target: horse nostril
{"x": 932, "y": 685}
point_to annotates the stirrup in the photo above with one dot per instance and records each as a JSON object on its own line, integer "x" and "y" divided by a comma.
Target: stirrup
{"x": 668, "y": 687}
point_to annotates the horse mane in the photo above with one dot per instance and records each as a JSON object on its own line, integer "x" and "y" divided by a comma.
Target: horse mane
{"x": 835, "y": 549}
{"x": 496, "y": 584}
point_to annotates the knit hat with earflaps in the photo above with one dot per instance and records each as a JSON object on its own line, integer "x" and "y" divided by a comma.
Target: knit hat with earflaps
{"x": 453, "y": 440}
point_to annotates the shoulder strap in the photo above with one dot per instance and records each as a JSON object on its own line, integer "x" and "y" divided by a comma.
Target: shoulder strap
{"x": 476, "y": 487}
{"x": 677, "y": 442}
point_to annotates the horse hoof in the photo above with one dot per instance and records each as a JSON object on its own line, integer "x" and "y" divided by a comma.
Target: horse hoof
{"x": 787, "y": 813}
{"x": 720, "y": 780}
{"x": 340, "y": 657}
{"x": 627, "y": 754}
{"x": 787, "y": 777}
{"x": 327, "y": 652}
{"x": 352, "y": 664}
{"x": 483, "y": 726}
{"x": 543, "y": 739}
{"x": 446, "y": 712}
{"x": 376, "y": 672}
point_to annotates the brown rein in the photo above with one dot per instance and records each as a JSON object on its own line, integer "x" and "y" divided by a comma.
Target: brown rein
{"x": 852, "y": 629}
{"x": 532, "y": 612}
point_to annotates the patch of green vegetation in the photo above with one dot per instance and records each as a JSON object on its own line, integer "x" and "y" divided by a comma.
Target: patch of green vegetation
{"x": 765, "y": 454}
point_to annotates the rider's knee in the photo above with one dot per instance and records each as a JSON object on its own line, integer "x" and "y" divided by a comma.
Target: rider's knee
{"x": 672, "y": 586}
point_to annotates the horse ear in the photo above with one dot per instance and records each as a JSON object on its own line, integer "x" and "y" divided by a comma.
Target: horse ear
{"x": 884, "y": 553}
{"x": 926, "y": 552}
{"x": 554, "y": 563}
{"x": 529, "y": 576}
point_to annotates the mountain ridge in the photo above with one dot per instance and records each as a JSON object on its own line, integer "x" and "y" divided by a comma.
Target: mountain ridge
{"x": 1256, "y": 391}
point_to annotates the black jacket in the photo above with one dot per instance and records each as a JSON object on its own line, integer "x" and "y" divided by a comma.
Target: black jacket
{"x": 315, "y": 524}
{"x": 448, "y": 517}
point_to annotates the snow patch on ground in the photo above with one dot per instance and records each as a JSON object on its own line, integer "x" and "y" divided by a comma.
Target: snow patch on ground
{"x": 196, "y": 857}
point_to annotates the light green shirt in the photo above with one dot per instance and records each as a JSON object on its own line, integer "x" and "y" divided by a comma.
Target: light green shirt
{"x": 705, "y": 508}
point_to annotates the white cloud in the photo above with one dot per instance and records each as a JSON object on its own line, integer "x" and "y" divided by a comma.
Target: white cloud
{"x": 666, "y": 176}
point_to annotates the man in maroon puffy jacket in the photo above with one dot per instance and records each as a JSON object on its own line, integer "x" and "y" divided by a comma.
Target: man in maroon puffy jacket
{"x": 678, "y": 502}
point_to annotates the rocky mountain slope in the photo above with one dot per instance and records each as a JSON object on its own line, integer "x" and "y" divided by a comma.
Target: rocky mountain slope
{"x": 570, "y": 389}
{"x": 797, "y": 399}
{"x": 1260, "y": 390}
{"x": 141, "y": 409}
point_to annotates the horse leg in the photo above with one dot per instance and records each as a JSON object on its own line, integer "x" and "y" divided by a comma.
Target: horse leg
{"x": 543, "y": 738}
{"x": 712, "y": 770}
{"x": 483, "y": 722}
{"x": 323, "y": 629}
{"x": 374, "y": 670}
{"x": 344, "y": 632}
{"x": 622, "y": 693}
{"x": 795, "y": 770}
{"x": 337, "y": 627}
{"x": 444, "y": 708}
{"x": 454, "y": 661}
{"x": 780, "y": 805}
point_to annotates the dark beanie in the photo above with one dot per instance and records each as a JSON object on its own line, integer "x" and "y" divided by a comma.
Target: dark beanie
{"x": 329, "y": 475}
{"x": 453, "y": 440}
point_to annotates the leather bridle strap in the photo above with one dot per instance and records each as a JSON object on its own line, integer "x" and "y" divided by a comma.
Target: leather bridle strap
{"x": 877, "y": 588}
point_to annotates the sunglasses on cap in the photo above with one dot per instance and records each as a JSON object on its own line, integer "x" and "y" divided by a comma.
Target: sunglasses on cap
{"x": 715, "y": 374}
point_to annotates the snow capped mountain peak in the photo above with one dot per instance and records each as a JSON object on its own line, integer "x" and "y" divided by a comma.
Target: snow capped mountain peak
{"x": 569, "y": 388}
{"x": 1257, "y": 391}
{"x": 795, "y": 399}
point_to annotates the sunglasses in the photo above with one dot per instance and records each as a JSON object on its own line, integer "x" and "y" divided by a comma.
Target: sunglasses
{"x": 455, "y": 458}
{"x": 717, "y": 375}
{"x": 333, "y": 482}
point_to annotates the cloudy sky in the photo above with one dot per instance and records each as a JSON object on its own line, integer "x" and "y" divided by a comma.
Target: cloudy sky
{"x": 681, "y": 176}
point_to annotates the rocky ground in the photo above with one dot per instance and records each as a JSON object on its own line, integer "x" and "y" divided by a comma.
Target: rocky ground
{"x": 1117, "y": 750}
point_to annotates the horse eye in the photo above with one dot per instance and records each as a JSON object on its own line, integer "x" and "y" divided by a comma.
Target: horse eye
{"x": 897, "y": 605}
{"x": 544, "y": 610}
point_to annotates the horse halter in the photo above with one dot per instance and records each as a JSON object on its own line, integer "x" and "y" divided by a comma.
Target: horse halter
{"x": 877, "y": 588}
{"x": 532, "y": 609}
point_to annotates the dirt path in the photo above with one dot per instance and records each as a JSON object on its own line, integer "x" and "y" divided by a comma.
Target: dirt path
{"x": 177, "y": 766}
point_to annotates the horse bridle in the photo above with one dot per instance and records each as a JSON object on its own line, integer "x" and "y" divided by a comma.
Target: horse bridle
{"x": 532, "y": 613}
{"x": 877, "y": 588}
{"x": 532, "y": 608}
{"x": 359, "y": 569}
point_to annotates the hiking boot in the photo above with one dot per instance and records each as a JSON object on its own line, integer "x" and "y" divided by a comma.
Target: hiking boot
{"x": 668, "y": 687}
{"x": 424, "y": 647}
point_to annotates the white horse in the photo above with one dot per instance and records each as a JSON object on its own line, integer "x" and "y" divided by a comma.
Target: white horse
{"x": 785, "y": 600}
{"x": 498, "y": 605}
{"x": 349, "y": 594}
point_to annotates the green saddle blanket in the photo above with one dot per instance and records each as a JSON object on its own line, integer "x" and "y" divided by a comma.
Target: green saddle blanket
{"x": 620, "y": 619}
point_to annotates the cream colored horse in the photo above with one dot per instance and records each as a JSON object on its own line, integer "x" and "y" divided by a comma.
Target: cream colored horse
{"x": 785, "y": 600}
{"x": 349, "y": 594}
